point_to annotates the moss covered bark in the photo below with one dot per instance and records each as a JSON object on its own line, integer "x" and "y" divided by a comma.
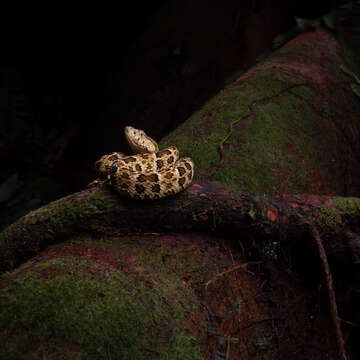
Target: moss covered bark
{"x": 203, "y": 207}
{"x": 150, "y": 297}
{"x": 288, "y": 125}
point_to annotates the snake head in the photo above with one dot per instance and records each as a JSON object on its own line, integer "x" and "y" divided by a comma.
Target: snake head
{"x": 139, "y": 142}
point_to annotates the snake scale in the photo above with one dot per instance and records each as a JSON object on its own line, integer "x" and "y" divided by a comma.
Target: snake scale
{"x": 149, "y": 174}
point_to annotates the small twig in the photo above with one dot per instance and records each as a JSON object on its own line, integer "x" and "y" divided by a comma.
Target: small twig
{"x": 227, "y": 348}
{"x": 242, "y": 266}
{"x": 350, "y": 323}
{"x": 332, "y": 299}
{"x": 108, "y": 355}
{"x": 222, "y": 142}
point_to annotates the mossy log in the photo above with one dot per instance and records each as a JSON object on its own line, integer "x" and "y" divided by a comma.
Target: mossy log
{"x": 202, "y": 207}
{"x": 287, "y": 125}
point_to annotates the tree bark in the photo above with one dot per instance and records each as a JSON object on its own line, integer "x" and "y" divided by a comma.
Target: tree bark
{"x": 204, "y": 207}
{"x": 289, "y": 124}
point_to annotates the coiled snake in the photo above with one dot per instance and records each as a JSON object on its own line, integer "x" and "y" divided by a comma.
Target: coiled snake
{"x": 148, "y": 174}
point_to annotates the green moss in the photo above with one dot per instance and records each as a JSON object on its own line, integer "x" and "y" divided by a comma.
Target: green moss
{"x": 347, "y": 205}
{"x": 59, "y": 217}
{"x": 80, "y": 307}
{"x": 334, "y": 217}
{"x": 263, "y": 154}
{"x": 245, "y": 138}
{"x": 182, "y": 348}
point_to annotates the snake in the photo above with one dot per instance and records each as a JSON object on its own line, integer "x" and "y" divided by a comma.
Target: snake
{"x": 149, "y": 173}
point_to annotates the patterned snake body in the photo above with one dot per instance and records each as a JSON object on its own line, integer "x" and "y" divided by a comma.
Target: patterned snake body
{"x": 148, "y": 174}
